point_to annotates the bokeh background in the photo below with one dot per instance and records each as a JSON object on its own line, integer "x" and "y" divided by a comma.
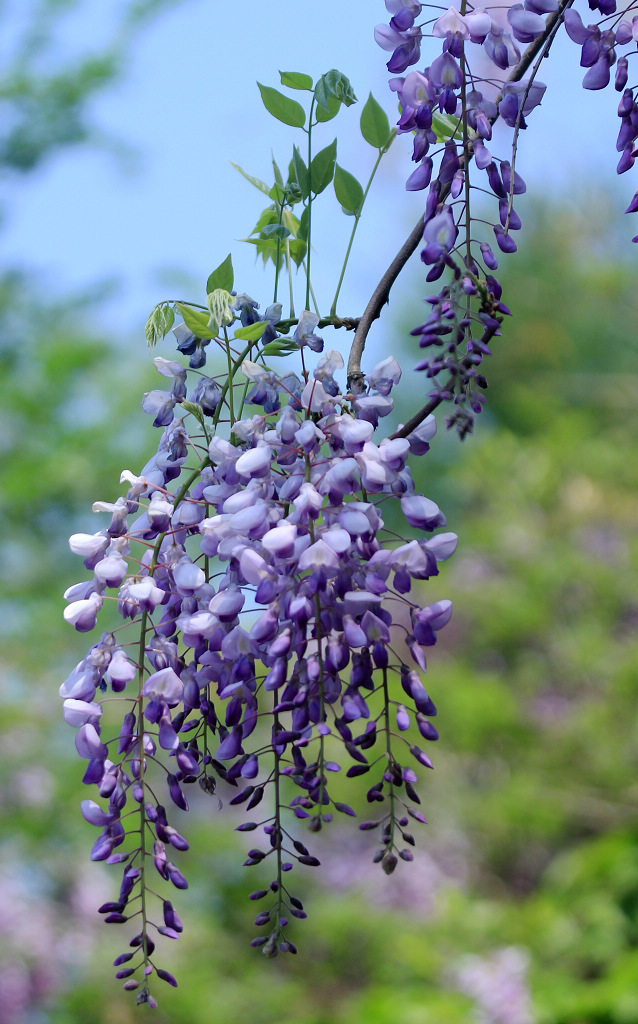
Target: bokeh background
{"x": 522, "y": 903}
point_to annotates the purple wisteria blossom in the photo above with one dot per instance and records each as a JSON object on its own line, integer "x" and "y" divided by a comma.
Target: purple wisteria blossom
{"x": 270, "y": 605}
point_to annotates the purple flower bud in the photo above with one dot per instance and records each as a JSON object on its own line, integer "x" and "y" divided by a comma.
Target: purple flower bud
{"x": 494, "y": 179}
{"x": 633, "y": 206}
{"x": 176, "y": 876}
{"x": 626, "y": 160}
{"x": 176, "y": 793}
{"x": 230, "y": 746}
{"x": 622, "y": 74}
{"x": 171, "y": 919}
{"x": 488, "y": 256}
{"x": 514, "y": 220}
{"x": 505, "y": 242}
{"x": 127, "y": 733}
{"x": 598, "y": 75}
{"x": 89, "y": 744}
{"x": 403, "y": 718}
{"x": 422, "y": 513}
{"x": 277, "y": 675}
{"x": 420, "y": 178}
{"x": 94, "y": 814}
{"x": 166, "y": 975}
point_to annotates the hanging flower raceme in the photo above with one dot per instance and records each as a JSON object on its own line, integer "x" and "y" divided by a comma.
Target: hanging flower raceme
{"x": 444, "y": 108}
{"x": 450, "y": 107}
{"x": 278, "y": 637}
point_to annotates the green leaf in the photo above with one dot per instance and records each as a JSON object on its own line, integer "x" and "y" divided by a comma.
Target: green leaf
{"x": 281, "y": 107}
{"x": 332, "y": 111}
{"x": 149, "y": 330}
{"x": 196, "y": 321}
{"x": 257, "y": 182}
{"x": 222, "y": 277}
{"x": 281, "y": 347}
{"x": 275, "y": 231}
{"x": 302, "y": 231}
{"x": 291, "y": 222}
{"x": 159, "y": 323}
{"x": 298, "y": 173}
{"x": 267, "y": 249}
{"x": 375, "y": 126}
{"x": 334, "y": 83}
{"x": 277, "y": 192}
{"x": 253, "y": 332}
{"x": 322, "y": 168}
{"x": 166, "y": 318}
{"x": 446, "y": 127}
{"x": 296, "y": 80}
{"x": 278, "y": 175}
{"x": 195, "y": 410}
{"x": 298, "y": 250}
{"x": 348, "y": 191}
{"x": 267, "y": 216}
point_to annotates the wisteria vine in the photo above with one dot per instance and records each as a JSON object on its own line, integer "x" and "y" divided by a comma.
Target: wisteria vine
{"x": 268, "y": 565}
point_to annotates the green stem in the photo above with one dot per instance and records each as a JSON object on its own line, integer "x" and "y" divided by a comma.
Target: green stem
{"x": 140, "y": 717}
{"x": 279, "y": 835}
{"x": 292, "y": 298}
{"x": 306, "y": 267}
{"x": 322, "y": 712}
{"x": 230, "y": 378}
{"x": 277, "y": 264}
{"x": 388, "y": 748}
{"x": 333, "y": 308}
{"x": 228, "y": 383}
{"x": 308, "y": 289}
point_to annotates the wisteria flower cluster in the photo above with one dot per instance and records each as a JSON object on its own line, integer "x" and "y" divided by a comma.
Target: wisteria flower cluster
{"x": 276, "y": 629}
{"x": 261, "y": 581}
{"x": 450, "y": 109}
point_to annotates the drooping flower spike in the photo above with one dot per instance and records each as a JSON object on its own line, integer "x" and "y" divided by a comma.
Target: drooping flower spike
{"x": 476, "y": 78}
{"x": 277, "y": 638}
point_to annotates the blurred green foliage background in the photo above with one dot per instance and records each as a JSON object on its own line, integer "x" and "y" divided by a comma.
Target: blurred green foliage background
{"x": 530, "y": 860}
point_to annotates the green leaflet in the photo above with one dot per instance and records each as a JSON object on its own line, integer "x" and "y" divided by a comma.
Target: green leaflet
{"x": 332, "y": 110}
{"x": 159, "y": 323}
{"x": 195, "y": 410}
{"x": 280, "y": 347}
{"x": 196, "y": 322}
{"x": 257, "y": 182}
{"x": 298, "y": 250}
{"x": 446, "y": 127}
{"x": 282, "y": 107}
{"x": 322, "y": 168}
{"x": 296, "y": 80}
{"x": 253, "y": 332}
{"x": 374, "y": 123}
{"x": 298, "y": 174}
{"x": 349, "y": 192}
{"x": 222, "y": 277}
{"x": 334, "y": 84}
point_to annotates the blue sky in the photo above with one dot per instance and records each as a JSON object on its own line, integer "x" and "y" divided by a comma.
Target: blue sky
{"x": 188, "y": 105}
